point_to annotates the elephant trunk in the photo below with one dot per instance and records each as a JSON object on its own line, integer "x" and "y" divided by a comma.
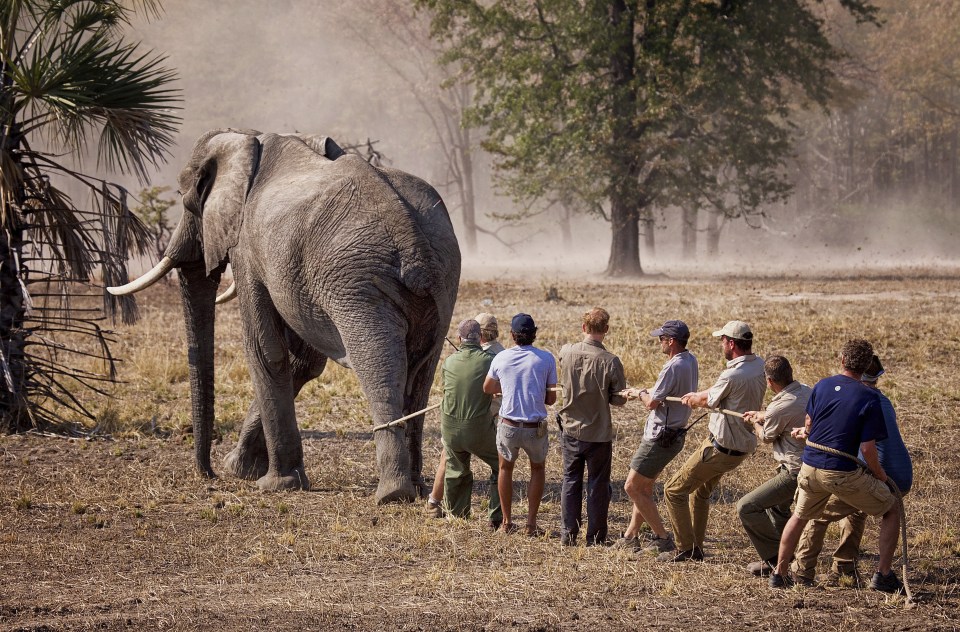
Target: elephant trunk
{"x": 198, "y": 291}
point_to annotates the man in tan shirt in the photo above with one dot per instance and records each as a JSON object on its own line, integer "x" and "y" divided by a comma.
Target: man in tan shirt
{"x": 592, "y": 379}
{"x": 764, "y": 511}
{"x": 739, "y": 388}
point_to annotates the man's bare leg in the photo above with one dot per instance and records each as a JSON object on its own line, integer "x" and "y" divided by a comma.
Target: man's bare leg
{"x": 889, "y": 537}
{"x": 538, "y": 478}
{"x": 640, "y": 490}
{"x": 505, "y": 489}
{"x": 788, "y": 543}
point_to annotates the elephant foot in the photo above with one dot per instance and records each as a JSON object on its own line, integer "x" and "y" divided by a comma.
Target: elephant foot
{"x": 243, "y": 465}
{"x": 295, "y": 479}
{"x": 401, "y": 491}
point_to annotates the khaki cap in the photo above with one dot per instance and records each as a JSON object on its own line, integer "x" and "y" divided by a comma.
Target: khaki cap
{"x": 736, "y": 329}
{"x": 487, "y": 321}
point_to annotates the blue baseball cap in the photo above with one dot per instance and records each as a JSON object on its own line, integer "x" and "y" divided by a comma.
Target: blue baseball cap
{"x": 674, "y": 329}
{"x": 523, "y": 324}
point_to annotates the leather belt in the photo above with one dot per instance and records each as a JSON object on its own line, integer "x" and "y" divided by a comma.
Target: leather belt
{"x": 724, "y": 450}
{"x": 520, "y": 424}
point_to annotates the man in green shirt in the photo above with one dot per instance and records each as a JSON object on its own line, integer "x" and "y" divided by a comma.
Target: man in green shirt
{"x": 466, "y": 426}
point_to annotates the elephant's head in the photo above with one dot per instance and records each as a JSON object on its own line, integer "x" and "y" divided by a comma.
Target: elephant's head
{"x": 214, "y": 184}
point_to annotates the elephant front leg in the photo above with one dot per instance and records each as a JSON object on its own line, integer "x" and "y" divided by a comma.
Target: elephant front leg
{"x": 270, "y": 373}
{"x": 249, "y": 459}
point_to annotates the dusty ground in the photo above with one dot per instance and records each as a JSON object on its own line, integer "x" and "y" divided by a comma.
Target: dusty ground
{"x": 119, "y": 533}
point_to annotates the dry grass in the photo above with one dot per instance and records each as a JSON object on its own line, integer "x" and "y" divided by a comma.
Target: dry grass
{"x": 122, "y": 534}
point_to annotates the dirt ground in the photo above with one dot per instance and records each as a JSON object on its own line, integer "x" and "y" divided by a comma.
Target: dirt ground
{"x": 118, "y": 532}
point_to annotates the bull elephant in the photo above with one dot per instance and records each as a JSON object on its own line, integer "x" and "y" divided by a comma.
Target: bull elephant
{"x": 332, "y": 258}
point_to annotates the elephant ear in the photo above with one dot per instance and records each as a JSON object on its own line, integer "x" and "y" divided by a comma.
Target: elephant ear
{"x": 222, "y": 185}
{"x": 322, "y": 145}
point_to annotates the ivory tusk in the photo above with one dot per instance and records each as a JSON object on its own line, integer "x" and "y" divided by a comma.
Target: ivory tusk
{"x": 155, "y": 274}
{"x": 227, "y": 296}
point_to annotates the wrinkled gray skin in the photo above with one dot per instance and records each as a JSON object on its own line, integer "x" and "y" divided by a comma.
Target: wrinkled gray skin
{"x": 332, "y": 258}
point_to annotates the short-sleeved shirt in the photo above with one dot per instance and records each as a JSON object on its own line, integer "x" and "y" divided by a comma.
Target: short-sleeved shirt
{"x": 679, "y": 376}
{"x": 493, "y": 347}
{"x": 843, "y": 414}
{"x": 739, "y": 388}
{"x": 592, "y": 379}
{"x": 894, "y": 458}
{"x": 524, "y": 373}
{"x": 463, "y": 375}
{"x": 786, "y": 411}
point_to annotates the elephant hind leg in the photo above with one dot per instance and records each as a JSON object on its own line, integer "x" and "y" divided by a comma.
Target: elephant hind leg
{"x": 249, "y": 460}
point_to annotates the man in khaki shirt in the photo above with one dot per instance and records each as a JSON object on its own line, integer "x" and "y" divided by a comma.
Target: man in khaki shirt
{"x": 765, "y": 510}
{"x": 592, "y": 379}
{"x": 739, "y": 388}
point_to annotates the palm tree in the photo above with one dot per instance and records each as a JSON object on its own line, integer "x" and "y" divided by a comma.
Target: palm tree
{"x": 67, "y": 78}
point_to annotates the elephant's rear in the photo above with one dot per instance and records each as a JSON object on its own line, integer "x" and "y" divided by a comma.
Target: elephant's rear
{"x": 425, "y": 337}
{"x": 432, "y": 218}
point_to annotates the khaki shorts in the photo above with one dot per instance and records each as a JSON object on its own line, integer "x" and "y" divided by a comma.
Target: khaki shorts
{"x": 511, "y": 440}
{"x": 858, "y": 488}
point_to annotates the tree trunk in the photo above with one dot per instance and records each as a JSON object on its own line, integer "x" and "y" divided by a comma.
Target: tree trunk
{"x": 625, "y": 245}
{"x": 14, "y": 414}
{"x": 713, "y": 234}
{"x": 649, "y": 236}
{"x": 466, "y": 192}
{"x": 566, "y": 233}
{"x": 625, "y": 198}
{"x": 689, "y": 231}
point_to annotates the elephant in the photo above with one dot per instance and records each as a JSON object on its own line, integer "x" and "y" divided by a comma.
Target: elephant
{"x": 332, "y": 258}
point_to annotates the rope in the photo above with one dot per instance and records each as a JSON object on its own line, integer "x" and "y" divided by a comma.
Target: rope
{"x": 896, "y": 494}
{"x": 397, "y": 422}
{"x": 707, "y": 408}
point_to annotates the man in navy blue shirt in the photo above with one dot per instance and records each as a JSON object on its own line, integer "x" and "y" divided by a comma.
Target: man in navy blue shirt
{"x": 896, "y": 462}
{"x": 846, "y": 416}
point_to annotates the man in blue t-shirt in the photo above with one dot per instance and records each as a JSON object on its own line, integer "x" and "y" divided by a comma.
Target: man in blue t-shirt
{"x": 895, "y": 461}
{"x": 527, "y": 378}
{"x": 844, "y": 415}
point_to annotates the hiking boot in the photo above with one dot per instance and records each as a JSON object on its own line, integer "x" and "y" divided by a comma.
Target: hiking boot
{"x": 629, "y": 544}
{"x": 886, "y": 583}
{"x": 433, "y": 510}
{"x": 494, "y": 526}
{"x": 695, "y": 554}
{"x": 761, "y": 569}
{"x": 800, "y": 580}
{"x": 839, "y": 579}
{"x": 780, "y": 581}
{"x": 568, "y": 539}
{"x": 660, "y": 545}
{"x": 533, "y": 531}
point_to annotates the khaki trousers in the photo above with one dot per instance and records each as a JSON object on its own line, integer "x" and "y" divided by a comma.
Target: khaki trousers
{"x": 811, "y": 541}
{"x": 688, "y": 493}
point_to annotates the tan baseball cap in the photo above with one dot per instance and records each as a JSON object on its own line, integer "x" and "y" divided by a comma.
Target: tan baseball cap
{"x": 736, "y": 329}
{"x": 487, "y": 321}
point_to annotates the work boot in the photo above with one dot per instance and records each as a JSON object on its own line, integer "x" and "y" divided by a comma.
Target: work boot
{"x": 780, "y": 581}
{"x": 433, "y": 509}
{"x": 886, "y": 583}
{"x": 629, "y": 544}
{"x": 661, "y": 545}
{"x": 762, "y": 569}
{"x": 695, "y": 554}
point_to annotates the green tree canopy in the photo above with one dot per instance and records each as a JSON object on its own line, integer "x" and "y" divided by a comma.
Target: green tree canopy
{"x": 68, "y": 85}
{"x": 624, "y": 105}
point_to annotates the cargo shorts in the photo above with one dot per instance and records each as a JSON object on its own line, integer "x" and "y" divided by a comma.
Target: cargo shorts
{"x": 858, "y": 488}
{"x": 511, "y": 440}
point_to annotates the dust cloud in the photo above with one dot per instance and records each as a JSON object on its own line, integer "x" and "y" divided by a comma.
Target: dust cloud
{"x": 293, "y": 65}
